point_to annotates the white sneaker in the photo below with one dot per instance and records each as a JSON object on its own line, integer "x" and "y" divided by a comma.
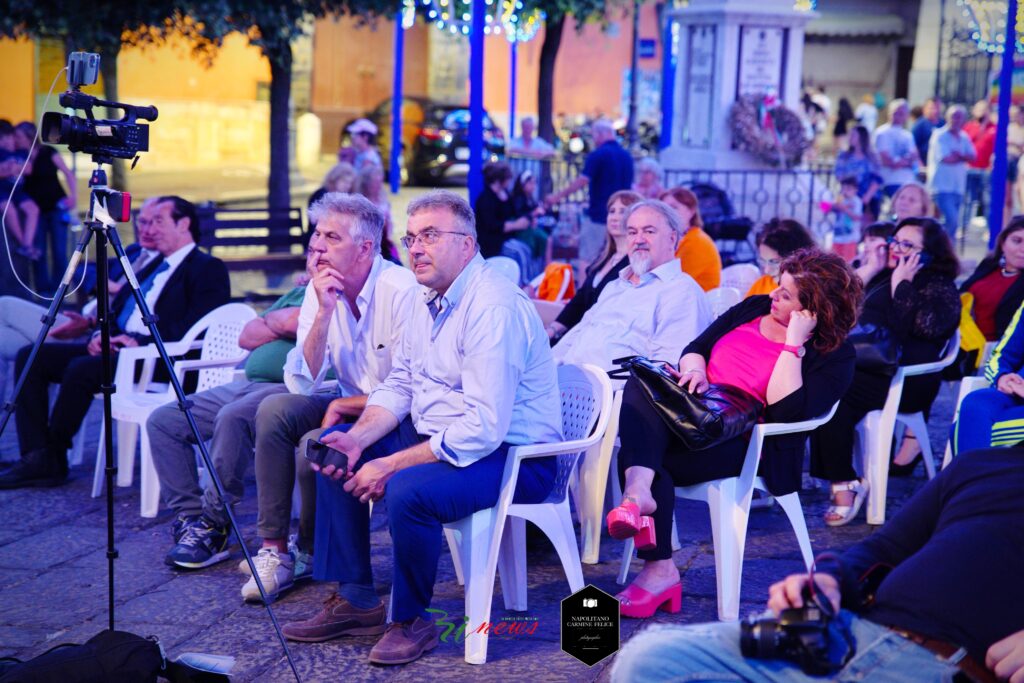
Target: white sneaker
{"x": 303, "y": 561}
{"x": 276, "y": 571}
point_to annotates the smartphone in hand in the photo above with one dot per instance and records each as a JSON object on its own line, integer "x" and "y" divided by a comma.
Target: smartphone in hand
{"x": 323, "y": 455}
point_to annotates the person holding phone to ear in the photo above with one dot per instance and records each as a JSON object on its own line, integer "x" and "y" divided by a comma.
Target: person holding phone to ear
{"x": 913, "y": 294}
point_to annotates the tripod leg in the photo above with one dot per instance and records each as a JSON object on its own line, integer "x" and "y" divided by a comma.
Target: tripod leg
{"x": 185, "y": 405}
{"x": 78, "y": 257}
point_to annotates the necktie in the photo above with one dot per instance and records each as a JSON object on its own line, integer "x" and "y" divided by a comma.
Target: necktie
{"x": 434, "y": 306}
{"x": 144, "y": 287}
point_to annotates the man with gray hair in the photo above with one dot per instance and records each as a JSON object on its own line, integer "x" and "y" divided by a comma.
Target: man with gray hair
{"x": 351, "y": 317}
{"x": 949, "y": 152}
{"x": 653, "y": 309}
{"x": 896, "y": 149}
{"x": 472, "y": 377}
{"x": 528, "y": 144}
{"x": 608, "y": 169}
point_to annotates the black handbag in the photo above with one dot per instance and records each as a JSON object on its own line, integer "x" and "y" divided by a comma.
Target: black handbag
{"x": 877, "y": 350}
{"x": 721, "y": 413}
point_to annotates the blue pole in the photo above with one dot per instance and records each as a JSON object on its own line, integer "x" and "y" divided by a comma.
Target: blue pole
{"x": 668, "y": 82}
{"x": 513, "y": 58}
{"x": 396, "y": 106}
{"x": 995, "y": 220}
{"x": 476, "y": 102}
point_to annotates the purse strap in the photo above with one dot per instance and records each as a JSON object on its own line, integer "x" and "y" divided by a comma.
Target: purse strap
{"x": 626, "y": 363}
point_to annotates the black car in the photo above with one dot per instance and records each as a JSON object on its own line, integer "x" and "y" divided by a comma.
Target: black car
{"x": 435, "y": 140}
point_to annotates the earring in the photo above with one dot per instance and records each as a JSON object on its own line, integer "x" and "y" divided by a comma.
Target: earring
{"x": 1002, "y": 261}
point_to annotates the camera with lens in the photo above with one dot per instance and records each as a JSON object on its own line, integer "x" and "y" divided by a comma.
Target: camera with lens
{"x": 105, "y": 139}
{"x": 800, "y": 634}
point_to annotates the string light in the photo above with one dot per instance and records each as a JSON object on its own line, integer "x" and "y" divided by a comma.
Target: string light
{"x": 503, "y": 17}
{"x": 986, "y": 20}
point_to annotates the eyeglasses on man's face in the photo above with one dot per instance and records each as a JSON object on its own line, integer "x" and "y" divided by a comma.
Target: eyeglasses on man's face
{"x": 428, "y": 237}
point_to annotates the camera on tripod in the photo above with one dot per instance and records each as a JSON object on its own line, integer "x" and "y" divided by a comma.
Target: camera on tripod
{"x": 802, "y": 635}
{"x": 105, "y": 139}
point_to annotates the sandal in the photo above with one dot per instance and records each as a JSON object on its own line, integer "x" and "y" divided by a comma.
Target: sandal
{"x": 626, "y": 521}
{"x": 844, "y": 514}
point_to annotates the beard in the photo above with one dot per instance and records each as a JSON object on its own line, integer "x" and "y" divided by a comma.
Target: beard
{"x": 640, "y": 262}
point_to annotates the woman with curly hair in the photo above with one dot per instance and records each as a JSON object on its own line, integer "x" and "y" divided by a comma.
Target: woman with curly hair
{"x": 913, "y": 294}
{"x": 789, "y": 350}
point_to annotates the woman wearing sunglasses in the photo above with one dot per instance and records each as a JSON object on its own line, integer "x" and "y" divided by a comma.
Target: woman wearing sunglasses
{"x": 912, "y": 293}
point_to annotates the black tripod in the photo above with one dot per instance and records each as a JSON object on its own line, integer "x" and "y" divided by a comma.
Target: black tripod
{"x": 106, "y": 234}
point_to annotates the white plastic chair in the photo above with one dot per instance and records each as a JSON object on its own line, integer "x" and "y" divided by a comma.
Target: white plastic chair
{"x": 591, "y": 486}
{"x": 721, "y": 299}
{"x": 876, "y": 431}
{"x": 506, "y": 266}
{"x": 496, "y": 537}
{"x": 729, "y": 504}
{"x": 132, "y": 403}
{"x": 967, "y": 385}
{"x": 548, "y": 310}
{"x": 740, "y": 277}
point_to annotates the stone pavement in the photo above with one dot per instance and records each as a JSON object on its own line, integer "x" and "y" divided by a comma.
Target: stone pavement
{"x": 53, "y": 584}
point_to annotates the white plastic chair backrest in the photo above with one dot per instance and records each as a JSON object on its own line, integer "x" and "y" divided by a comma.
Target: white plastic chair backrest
{"x": 951, "y": 351}
{"x": 548, "y": 310}
{"x": 740, "y": 276}
{"x": 221, "y": 342}
{"x": 721, "y": 299}
{"x": 586, "y": 402}
{"x": 506, "y": 266}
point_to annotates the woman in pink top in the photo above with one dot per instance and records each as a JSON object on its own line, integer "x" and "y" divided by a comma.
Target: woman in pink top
{"x": 789, "y": 349}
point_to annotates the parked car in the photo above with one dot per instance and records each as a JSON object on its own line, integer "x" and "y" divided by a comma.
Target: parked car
{"x": 435, "y": 140}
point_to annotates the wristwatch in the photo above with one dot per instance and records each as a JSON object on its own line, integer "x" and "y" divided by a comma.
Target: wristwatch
{"x": 797, "y": 351}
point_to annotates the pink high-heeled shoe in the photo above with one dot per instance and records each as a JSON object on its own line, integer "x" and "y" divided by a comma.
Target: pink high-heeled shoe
{"x": 638, "y": 603}
{"x": 626, "y": 521}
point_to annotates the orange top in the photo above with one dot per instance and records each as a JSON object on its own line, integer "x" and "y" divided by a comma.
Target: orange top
{"x": 765, "y": 284}
{"x": 699, "y": 258}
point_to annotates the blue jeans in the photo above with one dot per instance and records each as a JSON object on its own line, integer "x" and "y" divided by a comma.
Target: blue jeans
{"x": 420, "y": 499}
{"x": 50, "y": 267}
{"x": 949, "y": 205}
{"x": 988, "y": 417}
{"x": 711, "y": 652}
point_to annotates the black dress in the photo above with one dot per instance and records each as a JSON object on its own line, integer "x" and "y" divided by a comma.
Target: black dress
{"x": 923, "y": 315}
{"x": 492, "y": 213}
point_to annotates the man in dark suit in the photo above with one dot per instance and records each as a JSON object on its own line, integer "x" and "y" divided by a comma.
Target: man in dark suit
{"x": 181, "y": 286}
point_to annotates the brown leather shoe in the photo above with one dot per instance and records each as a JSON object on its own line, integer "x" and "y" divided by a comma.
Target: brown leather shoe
{"x": 337, "y": 618}
{"x": 405, "y": 642}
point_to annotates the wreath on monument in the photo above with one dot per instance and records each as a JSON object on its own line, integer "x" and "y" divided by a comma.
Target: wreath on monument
{"x": 765, "y": 128}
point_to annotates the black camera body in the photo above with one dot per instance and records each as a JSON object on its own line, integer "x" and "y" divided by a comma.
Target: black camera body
{"x": 799, "y": 634}
{"x": 105, "y": 139}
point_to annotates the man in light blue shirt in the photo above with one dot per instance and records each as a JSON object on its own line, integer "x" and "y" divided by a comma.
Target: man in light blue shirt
{"x": 653, "y": 309}
{"x": 472, "y": 375}
{"x": 949, "y": 153}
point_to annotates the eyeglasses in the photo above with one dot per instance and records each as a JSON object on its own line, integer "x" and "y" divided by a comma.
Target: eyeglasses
{"x": 901, "y": 245}
{"x": 428, "y": 237}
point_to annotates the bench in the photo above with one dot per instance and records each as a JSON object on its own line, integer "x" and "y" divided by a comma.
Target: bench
{"x": 254, "y": 239}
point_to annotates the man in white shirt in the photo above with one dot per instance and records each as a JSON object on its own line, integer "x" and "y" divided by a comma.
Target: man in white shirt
{"x": 653, "y": 309}
{"x": 896, "y": 149}
{"x": 472, "y": 376}
{"x": 528, "y": 144}
{"x": 350, "y": 320}
{"x": 949, "y": 152}
{"x": 180, "y": 286}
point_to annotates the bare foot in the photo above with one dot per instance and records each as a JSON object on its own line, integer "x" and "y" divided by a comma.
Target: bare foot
{"x": 909, "y": 449}
{"x": 643, "y": 499}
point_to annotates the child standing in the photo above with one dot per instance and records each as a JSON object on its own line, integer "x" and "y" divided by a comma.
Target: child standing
{"x": 849, "y": 210}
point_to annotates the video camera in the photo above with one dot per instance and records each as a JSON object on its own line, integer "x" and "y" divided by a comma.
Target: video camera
{"x": 105, "y": 139}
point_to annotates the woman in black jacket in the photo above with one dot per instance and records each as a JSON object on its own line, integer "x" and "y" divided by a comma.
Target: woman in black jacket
{"x": 912, "y": 293}
{"x": 996, "y": 283}
{"x": 603, "y": 270}
{"x": 788, "y": 349}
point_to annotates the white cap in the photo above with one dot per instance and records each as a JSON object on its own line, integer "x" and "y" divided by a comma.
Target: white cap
{"x": 362, "y": 126}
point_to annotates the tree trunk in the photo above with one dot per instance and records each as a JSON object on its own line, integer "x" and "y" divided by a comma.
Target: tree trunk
{"x": 278, "y": 189}
{"x": 108, "y": 67}
{"x": 546, "y": 78}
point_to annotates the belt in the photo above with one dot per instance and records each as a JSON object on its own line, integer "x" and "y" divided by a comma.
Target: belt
{"x": 969, "y": 667}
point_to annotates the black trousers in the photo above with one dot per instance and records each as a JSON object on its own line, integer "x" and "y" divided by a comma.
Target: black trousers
{"x": 832, "y": 443}
{"x": 79, "y": 376}
{"x": 648, "y": 442}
